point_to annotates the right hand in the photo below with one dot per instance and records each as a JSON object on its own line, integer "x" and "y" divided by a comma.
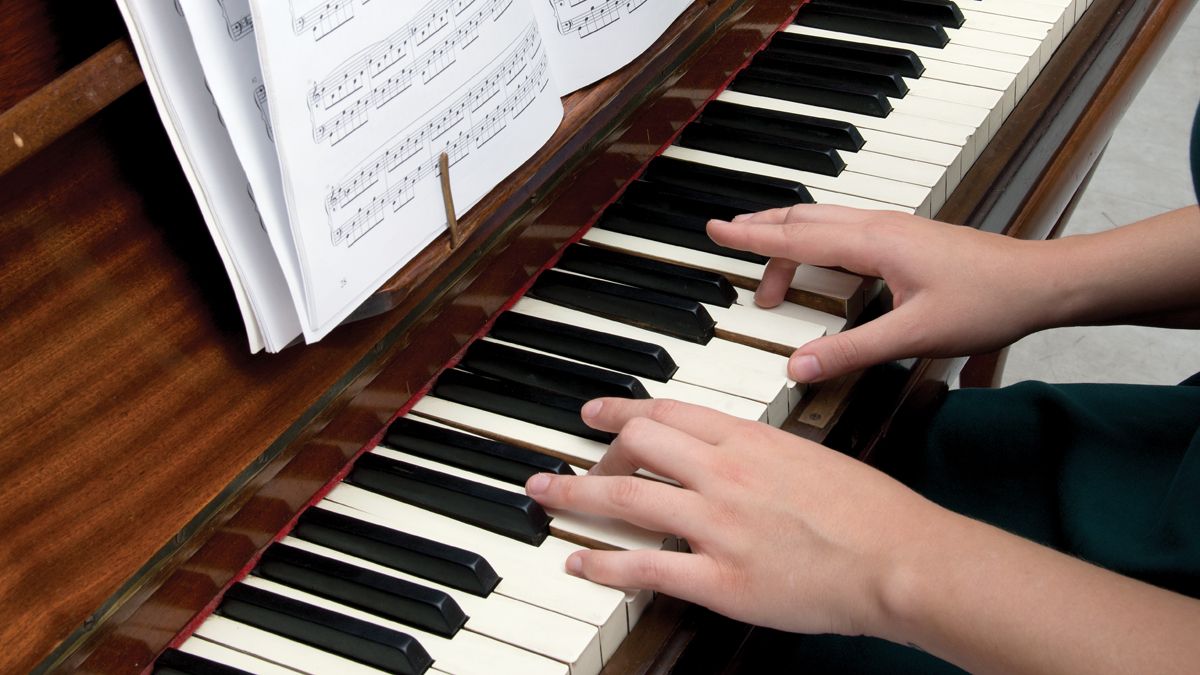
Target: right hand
{"x": 956, "y": 290}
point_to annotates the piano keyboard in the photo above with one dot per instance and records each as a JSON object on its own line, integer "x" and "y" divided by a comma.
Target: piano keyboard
{"x": 429, "y": 557}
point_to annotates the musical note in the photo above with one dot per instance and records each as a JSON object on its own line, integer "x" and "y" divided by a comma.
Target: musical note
{"x": 260, "y": 101}
{"x": 387, "y": 180}
{"x": 586, "y": 17}
{"x": 420, "y": 51}
{"x": 237, "y": 18}
{"x": 323, "y": 19}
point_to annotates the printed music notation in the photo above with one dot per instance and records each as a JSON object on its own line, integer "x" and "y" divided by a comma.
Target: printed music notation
{"x": 323, "y": 18}
{"x": 586, "y": 17}
{"x": 260, "y": 102}
{"x": 390, "y": 176}
{"x": 237, "y": 18}
{"x": 340, "y": 103}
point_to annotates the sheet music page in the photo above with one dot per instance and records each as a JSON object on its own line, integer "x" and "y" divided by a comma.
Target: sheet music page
{"x": 364, "y": 97}
{"x": 193, "y": 123}
{"x": 590, "y": 39}
{"x": 223, "y": 34}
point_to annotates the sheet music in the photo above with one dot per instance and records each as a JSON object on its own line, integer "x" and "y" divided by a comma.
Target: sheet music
{"x": 223, "y": 35}
{"x": 590, "y": 39}
{"x": 364, "y": 96}
{"x": 194, "y": 125}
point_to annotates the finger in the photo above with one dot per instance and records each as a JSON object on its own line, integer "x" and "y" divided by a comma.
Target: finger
{"x": 646, "y": 444}
{"x": 705, "y": 424}
{"x": 856, "y": 246}
{"x": 828, "y": 213}
{"x": 686, "y": 576}
{"x": 776, "y": 281}
{"x": 646, "y": 503}
{"x": 886, "y": 338}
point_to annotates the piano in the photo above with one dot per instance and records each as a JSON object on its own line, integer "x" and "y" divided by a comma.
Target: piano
{"x": 155, "y": 471}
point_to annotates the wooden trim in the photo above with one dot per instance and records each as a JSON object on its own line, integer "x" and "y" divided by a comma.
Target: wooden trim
{"x": 67, "y": 102}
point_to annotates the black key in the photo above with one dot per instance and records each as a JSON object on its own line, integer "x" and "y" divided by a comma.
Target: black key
{"x": 659, "y": 312}
{"x": 760, "y": 147}
{"x": 549, "y": 372}
{"x": 768, "y": 190}
{"x": 903, "y": 61}
{"x": 481, "y": 455}
{"x": 508, "y": 513}
{"x": 873, "y": 23}
{"x": 611, "y": 351}
{"x": 944, "y": 12}
{"x": 325, "y": 629}
{"x": 678, "y": 280}
{"x": 819, "y": 91}
{"x": 388, "y": 597}
{"x": 175, "y": 662}
{"x": 531, "y": 404}
{"x": 654, "y": 226}
{"x": 886, "y": 81}
{"x": 425, "y": 558}
{"x": 673, "y": 199}
{"x": 840, "y": 135}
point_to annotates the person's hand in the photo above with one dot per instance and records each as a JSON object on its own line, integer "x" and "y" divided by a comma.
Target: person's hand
{"x": 784, "y": 532}
{"x": 956, "y": 291}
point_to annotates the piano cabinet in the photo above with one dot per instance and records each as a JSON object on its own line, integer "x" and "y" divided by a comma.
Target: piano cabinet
{"x": 149, "y": 457}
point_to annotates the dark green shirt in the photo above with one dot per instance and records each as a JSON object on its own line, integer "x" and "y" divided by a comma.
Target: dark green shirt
{"x": 1108, "y": 473}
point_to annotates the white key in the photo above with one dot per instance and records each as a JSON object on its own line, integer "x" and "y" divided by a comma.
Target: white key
{"x": 903, "y": 169}
{"x": 593, "y": 531}
{"x": 955, "y": 135}
{"x": 1030, "y": 10}
{"x": 532, "y": 574}
{"x": 831, "y": 323}
{"x": 993, "y": 104}
{"x": 847, "y": 289}
{"x": 277, "y": 649}
{"x": 977, "y": 67}
{"x": 569, "y": 447}
{"x": 742, "y": 323}
{"x": 232, "y": 658}
{"x": 789, "y": 324}
{"x": 1043, "y": 33}
{"x": 736, "y": 406}
{"x": 906, "y": 195}
{"x": 947, "y": 157}
{"x": 466, "y": 653}
{"x": 722, "y": 365}
{"x": 538, "y": 630}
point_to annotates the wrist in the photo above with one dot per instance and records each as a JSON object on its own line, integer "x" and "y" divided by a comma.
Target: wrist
{"x": 913, "y": 581}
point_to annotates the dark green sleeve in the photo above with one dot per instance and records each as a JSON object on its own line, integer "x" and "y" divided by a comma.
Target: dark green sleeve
{"x": 1196, "y": 153}
{"x": 1109, "y": 473}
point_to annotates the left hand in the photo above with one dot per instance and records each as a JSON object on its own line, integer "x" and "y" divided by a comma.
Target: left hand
{"x": 784, "y": 533}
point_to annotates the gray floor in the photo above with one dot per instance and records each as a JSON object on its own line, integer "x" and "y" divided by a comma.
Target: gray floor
{"x": 1144, "y": 172}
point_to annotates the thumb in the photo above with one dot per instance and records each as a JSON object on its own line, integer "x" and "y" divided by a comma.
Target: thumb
{"x": 883, "y": 339}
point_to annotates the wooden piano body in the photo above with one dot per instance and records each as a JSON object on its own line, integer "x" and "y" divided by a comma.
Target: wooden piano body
{"x": 147, "y": 456}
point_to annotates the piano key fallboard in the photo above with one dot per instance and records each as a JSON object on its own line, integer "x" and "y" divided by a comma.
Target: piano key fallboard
{"x": 424, "y": 555}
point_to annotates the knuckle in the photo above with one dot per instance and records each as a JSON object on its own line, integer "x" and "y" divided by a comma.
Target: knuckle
{"x": 563, "y": 489}
{"x": 845, "y": 351}
{"x": 662, "y": 409}
{"x": 625, "y": 492}
{"x": 648, "y": 569}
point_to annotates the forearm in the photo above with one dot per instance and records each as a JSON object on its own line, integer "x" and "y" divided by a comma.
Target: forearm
{"x": 1144, "y": 273}
{"x": 992, "y": 602}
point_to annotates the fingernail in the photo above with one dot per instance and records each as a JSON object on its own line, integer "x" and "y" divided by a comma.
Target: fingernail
{"x": 591, "y": 408}
{"x": 575, "y": 564}
{"x": 804, "y": 368}
{"x": 537, "y": 484}
{"x": 742, "y": 216}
